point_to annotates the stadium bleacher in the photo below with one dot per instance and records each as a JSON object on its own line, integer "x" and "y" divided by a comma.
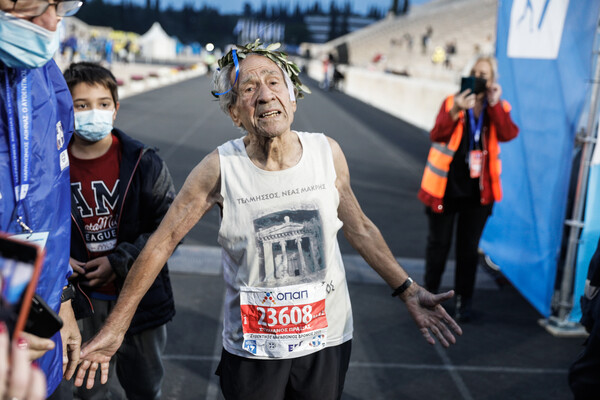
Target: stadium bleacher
{"x": 471, "y": 24}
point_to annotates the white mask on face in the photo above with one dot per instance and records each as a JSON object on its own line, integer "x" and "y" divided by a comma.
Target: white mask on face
{"x": 93, "y": 125}
{"x": 24, "y": 44}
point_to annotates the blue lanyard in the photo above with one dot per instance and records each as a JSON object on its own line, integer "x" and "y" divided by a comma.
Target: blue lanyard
{"x": 475, "y": 128}
{"x": 20, "y": 157}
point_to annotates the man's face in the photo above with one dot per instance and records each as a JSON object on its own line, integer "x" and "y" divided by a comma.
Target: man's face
{"x": 48, "y": 20}
{"x": 263, "y": 106}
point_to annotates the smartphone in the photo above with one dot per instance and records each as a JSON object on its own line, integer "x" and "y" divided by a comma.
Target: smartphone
{"x": 20, "y": 267}
{"x": 42, "y": 320}
{"x": 477, "y": 85}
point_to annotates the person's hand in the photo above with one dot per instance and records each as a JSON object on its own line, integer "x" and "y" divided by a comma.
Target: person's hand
{"x": 78, "y": 268}
{"x": 429, "y": 315}
{"x": 464, "y": 100}
{"x": 98, "y": 272}
{"x": 71, "y": 340}
{"x": 37, "y": 346}
{"x": 18, "y": 378}
{"x": 97, "y": 352}
{"x": 493, "y": 94}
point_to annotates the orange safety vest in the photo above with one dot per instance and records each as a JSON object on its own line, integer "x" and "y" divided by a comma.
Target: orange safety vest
{"x": 435, "y": 176}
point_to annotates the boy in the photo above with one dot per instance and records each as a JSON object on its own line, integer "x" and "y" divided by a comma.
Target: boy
{"x": 121, "y": 189}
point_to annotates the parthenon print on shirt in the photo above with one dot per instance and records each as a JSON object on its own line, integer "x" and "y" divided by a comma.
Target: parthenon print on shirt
{"x": 290, "y": 244}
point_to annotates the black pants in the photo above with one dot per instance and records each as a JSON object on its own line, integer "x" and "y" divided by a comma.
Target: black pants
{"x": 64, "y": 391}
{"x": 470, "y": 221}
{"x": 319, "y": 375}
{"x": 584, "y": 374}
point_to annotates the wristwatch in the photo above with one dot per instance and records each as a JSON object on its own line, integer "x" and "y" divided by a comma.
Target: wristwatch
{"x": 68, "y": 293}
{"x": 402, "y": 288}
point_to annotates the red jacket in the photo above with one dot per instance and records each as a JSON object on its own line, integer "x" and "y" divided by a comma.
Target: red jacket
{"x": 446, "y": 136}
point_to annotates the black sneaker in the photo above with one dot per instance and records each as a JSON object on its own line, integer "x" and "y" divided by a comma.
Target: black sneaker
{"x": 462, "y": 309}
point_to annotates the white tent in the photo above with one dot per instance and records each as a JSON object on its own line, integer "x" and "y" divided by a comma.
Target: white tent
{"x": 156, "y": 44}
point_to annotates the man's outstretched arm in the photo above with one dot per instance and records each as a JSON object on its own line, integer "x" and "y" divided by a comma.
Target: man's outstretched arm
{"x": 199, "y": 194}
{"x": 424, "y": 307}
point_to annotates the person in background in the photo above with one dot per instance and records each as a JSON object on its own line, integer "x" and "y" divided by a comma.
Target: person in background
{"x": 121, "y": 190}
{"x": 36, "y": 121}
{"x": 461, "y": 180}
{"x": 584, "y": 373}
{"x": 283, "y": 196}
{"x": 328, "y": 69}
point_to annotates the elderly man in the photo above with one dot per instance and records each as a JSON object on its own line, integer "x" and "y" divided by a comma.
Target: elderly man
{"x": 36, "y": 122}
{"x": 283, "y": 196}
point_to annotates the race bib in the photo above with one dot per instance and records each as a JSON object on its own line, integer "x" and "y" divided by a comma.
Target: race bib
{"x": 280, "y": 321}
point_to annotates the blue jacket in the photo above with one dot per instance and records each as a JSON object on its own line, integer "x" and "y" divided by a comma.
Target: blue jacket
{"x": 48, "y": 203}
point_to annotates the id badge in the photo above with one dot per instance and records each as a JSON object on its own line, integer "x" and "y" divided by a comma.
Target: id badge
{"x": 38, "y": 238}
{"x": 475, "y": 163}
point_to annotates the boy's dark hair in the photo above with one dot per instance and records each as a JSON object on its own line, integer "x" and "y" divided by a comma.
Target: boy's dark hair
{"x": 92, "y": 74}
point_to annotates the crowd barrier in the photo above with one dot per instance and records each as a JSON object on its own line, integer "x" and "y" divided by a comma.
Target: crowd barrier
{"x": 414, "y": 100}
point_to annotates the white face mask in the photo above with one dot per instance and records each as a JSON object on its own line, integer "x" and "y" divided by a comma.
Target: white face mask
{"x": 93, "y": 125}
{"x": 24, "y": 44}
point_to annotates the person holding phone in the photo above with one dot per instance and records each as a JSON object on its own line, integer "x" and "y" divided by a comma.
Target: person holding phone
{"x": 36, "y": 121}
{"x": 461, "y": 180}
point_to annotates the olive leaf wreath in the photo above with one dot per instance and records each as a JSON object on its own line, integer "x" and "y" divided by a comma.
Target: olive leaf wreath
{"x": 278, "y": 57}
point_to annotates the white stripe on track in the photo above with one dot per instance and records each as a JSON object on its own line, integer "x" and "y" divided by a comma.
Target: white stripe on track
{"x": 433, "y": 367}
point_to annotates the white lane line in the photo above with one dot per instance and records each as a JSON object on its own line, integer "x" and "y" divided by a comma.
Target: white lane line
{"x": 187, "y": 357}
{"x": 458, "y": 381}
{"x": 379, "y": 365}
{"x": 206, "y": 260}
{"x": 463, "y": 368}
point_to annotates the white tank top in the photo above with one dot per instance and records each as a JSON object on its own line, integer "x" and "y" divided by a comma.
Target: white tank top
{"x": 286, "y": 292}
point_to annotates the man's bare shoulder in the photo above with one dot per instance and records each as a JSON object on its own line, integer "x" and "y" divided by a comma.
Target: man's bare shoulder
{"x": 338, "y": 155}
{"x": 206, "y": 174}
{"x": 209, "y": 166}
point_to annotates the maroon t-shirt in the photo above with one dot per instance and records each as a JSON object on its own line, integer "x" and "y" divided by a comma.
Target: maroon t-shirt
{"x": 95, "y": 188}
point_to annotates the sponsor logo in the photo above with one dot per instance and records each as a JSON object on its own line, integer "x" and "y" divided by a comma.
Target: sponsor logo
{"x": 64, "y": 159}
{"x": 268, "y": 297}
{"x": 273, "y": 297}
{"x": 60, "y": 137}
{"x": 271, "y": 345}
{"x": 293, "y": 346}
{"x": 317, "y": 340}
{"x": 536, "y": 28}
{"x": 250, "y": 346}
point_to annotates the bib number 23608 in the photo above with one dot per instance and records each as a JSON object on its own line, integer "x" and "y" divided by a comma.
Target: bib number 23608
{"x": 285, "y": 315}
{"x": 279, "y": 321}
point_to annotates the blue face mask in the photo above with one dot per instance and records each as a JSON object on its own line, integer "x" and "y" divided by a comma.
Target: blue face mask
{"x": 93, "y": 125}
{"x": 24, "y": 44}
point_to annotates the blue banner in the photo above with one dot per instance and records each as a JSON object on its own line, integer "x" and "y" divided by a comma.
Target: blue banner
{"x": 589, "y": 235}
{"x": 544, "y": 51}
